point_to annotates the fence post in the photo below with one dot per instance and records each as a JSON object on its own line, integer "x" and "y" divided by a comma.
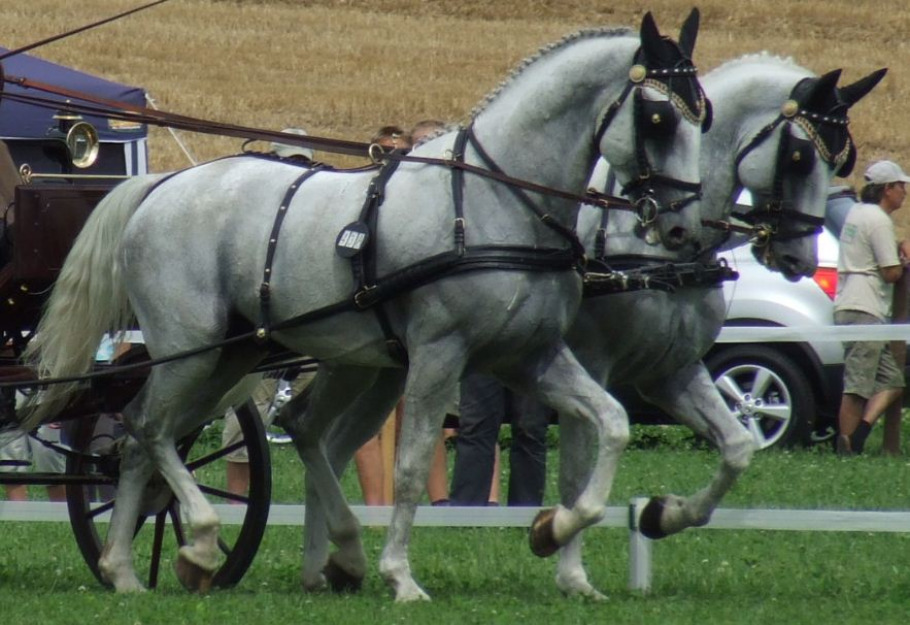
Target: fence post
{"x": 639, "y": 549}
{"x": 891, "y": 443}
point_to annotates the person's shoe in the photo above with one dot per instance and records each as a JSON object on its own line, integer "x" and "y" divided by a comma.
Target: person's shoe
{"x": 843, "y": 445}
{"x": 278, "y": 439}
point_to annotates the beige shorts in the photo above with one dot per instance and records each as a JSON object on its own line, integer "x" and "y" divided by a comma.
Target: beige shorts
{"x": 869, "y": 366}
{"x": 27, "y": 450}
{"x": 262, "y": 396}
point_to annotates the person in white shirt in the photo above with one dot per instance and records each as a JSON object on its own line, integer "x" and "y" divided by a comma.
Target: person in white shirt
{"x": 869, "y": 263}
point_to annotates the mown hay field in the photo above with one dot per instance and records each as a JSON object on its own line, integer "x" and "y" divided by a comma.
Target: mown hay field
{"x": 342, "y": 68}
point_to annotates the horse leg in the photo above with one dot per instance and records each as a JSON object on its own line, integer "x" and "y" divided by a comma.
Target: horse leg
{"x": 576, "y": 456}
{"x": 333, "y": 390}
{"x": 177, "y": 398}
{"x": 349, "y": 431}
{"x": 431, "y": 386}
{"x": 116, "y": 561}
{"x": 692, "y": 399}
{"x": 559, "y": 381}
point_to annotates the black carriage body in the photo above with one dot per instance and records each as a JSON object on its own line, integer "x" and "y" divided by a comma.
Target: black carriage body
{"x": 42, "y": 224}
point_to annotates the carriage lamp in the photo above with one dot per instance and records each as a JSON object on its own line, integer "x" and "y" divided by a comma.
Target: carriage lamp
{"x": 80, "y": 137}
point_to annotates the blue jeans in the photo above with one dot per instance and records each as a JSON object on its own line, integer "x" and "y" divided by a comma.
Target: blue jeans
{"x": 485, "y": 405}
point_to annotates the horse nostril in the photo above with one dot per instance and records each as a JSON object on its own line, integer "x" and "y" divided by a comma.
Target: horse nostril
{"x": 676, "y": 237}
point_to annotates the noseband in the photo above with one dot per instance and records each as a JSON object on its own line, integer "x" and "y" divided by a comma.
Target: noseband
{"x": 657, "y": 119}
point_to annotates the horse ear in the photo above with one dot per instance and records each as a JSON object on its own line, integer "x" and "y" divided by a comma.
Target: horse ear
{"x": 851, "y": 94}
{"x": 689, "y": 33}
{"x": 821, "y": 92}
{"x": 827, "y": 82}
{"x": 649, "y": 33}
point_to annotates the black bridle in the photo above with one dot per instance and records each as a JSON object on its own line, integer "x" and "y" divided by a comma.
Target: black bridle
{"x": 773, "y": 218}
{"x": 658, "y": 119}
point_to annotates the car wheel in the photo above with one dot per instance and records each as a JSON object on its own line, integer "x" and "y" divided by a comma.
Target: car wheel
{"x": 767, "y": 393}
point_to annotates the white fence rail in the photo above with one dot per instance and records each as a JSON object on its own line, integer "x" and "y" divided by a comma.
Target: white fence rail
{"x": 640, "y": 548}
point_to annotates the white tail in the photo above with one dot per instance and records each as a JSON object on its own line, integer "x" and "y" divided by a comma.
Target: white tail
{"x": 88, "y": 299}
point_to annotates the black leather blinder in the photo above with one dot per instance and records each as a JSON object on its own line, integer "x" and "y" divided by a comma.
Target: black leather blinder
{"x": 799, "y": 157}
{"x": 658, "y": 119}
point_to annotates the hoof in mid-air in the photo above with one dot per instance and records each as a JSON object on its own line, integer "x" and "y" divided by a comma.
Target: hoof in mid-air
{"x": 540, "y": 537}
{"x": 649, "y": 522}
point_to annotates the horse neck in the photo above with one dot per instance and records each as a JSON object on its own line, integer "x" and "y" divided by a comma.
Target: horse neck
{"x": 541, "y": 125}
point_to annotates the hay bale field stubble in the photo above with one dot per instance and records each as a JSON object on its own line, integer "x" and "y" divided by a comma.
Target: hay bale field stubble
{"x": 342, "y": 68}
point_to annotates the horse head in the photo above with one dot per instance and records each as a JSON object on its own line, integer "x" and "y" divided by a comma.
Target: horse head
{"x": 664, "y": 110}
{"x": 789, "y": 164}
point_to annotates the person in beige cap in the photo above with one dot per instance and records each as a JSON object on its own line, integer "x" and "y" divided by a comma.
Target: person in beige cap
{"x": 868, "y": 264}
{"x": 293, "y": 152}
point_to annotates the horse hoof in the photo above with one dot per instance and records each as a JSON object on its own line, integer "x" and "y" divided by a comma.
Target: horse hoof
{"x": 540, "y": 536}
{"x": 192, "y": 576}
{"x": 339, "y": 580}
{"x": 649, "y": 523}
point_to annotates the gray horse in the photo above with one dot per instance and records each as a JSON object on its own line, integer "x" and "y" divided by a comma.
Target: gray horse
{"x": 436, "y": 260}
{"x": 778, "y": 131}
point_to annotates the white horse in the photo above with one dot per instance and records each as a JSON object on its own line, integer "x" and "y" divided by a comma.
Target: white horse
{"x": 455, "y": 268}
{"x": 778, "y": 131}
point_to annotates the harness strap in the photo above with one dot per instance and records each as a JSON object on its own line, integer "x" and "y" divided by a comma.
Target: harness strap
{"x": 501, "y": 258}
{"x": 265, "y": 291}
{"x": 548, "y": 220}
{"x": 363, "y": 264}
{"x": 600, "y": 237}
{"x": 662, "y": 277}
{"x": 458, "y": 149}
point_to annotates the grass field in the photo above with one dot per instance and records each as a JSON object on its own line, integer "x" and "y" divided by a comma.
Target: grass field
{"x": 489, "y": 576}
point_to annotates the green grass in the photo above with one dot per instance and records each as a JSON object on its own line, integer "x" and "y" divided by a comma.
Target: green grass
{"x": 489, "y": 576}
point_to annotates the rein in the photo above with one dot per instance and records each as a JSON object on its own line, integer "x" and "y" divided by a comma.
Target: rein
{"x": 112, "y": 109}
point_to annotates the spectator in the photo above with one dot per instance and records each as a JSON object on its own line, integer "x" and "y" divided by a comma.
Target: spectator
{"x": 293, "y": 152}
{"x": 23, "y": 452}
{"x": 272, "y": 393}
{"x": 868, "y": 265}
{"x": 425, "y": 130}
{"x": 485, "y": 405}
{"x": 392, "y": 138}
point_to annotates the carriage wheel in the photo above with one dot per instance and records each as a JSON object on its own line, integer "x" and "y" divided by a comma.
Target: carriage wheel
{"x": 90, "y": 505}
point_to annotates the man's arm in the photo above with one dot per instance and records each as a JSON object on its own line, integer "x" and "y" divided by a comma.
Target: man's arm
{"x": 891, "y": 274}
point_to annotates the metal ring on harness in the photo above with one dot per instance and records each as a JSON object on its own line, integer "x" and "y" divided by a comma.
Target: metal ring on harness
{"x": 647, "y": 209}
{"x": 762, "y": 236}
{"x": 376, "y": 153}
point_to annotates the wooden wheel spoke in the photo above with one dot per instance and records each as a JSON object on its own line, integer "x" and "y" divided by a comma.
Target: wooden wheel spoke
{"x": 157, "y": 548}
{"x": 225, "y": 548}
{"x": 173, "y": 510}
{"x": 223, "y": 494}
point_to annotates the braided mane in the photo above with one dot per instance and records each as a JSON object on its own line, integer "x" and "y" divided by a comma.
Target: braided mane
{"x": 587, "y": 33}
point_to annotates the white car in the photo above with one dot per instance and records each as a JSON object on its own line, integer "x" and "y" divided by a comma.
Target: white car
{"x": 785, "y": 393}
